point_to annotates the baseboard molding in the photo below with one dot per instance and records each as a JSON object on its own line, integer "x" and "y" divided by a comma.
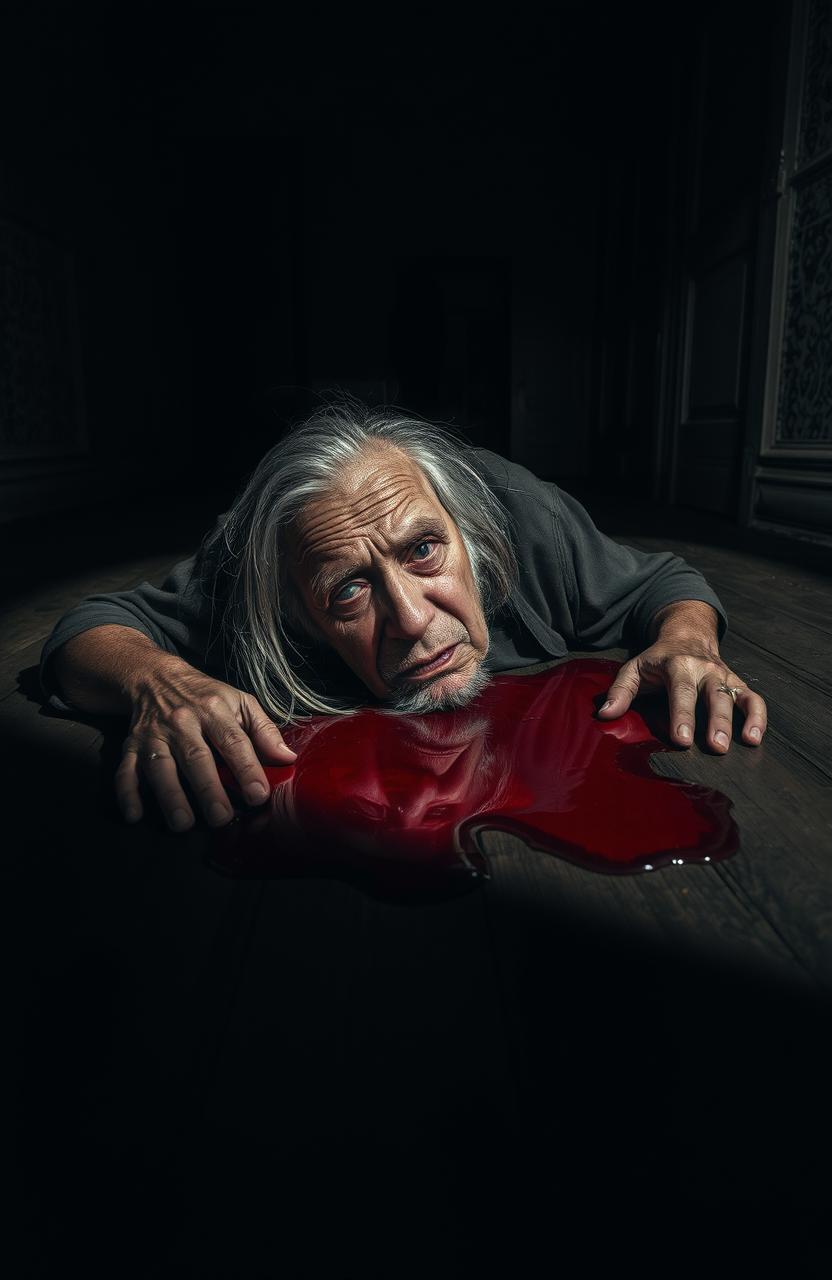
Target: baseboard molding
{"x": 796, "y": 503}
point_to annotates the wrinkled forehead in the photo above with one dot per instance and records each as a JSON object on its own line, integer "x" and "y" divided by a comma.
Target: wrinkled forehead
{"x": 378, "y": 495}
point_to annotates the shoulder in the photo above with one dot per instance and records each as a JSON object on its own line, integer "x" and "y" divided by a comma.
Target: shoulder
{"x": 518, "y": 488}
{"x": 511, "y": 477}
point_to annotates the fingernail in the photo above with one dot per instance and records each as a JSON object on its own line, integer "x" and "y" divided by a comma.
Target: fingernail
{"x": 721, "y": 738}
{"x": 286, "y": 747}
{"x": 607, "y": 704}
{"x": 755, "y": 734}
{"x": 256, "y": 793}
{"x": 180, "y": 820}
{"x": 684, "y": 732}
{"x": 132, "y": 814}
{"x": 218, "y": 813}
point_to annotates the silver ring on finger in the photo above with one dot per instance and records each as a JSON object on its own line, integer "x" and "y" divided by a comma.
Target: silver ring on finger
{"x": 733, "y": 689}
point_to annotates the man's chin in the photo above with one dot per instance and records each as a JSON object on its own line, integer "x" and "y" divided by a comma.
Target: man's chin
{"x": 443, "y": 693}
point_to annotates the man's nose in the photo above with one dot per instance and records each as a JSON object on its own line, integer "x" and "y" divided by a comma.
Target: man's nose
{"x": 408, "y": 612}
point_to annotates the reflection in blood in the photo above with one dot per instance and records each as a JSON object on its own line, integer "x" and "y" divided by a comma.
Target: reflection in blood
{"x": 398, "y": 803}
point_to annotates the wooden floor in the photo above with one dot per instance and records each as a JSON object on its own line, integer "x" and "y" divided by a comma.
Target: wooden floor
{"x": 242, "y": 1078}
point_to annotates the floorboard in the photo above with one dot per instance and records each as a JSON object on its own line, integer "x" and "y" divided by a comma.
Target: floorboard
{"x": 220, "y": 1070}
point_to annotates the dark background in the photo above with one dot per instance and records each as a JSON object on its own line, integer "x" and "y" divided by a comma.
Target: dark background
{"x": 484, "y": 219}
{"x": 557, "y": 233}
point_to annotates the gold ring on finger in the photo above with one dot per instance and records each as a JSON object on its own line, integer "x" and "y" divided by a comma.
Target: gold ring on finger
{"x": 733, "y": 689}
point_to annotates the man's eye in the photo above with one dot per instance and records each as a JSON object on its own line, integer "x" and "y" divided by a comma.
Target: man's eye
{"x": 340, "y": 598}
{"x": 429, "y": 548}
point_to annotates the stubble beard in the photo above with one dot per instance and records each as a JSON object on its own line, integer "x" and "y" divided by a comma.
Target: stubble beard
{"x": 424, "y": 697}
{"x": 418, "y": 699}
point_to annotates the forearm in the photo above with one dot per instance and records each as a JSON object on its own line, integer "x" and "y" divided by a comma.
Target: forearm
{"x": 101, "y": 670}
{"x": 687, "y": 620}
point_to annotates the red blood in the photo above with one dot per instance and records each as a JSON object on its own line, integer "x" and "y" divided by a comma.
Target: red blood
{"x": 398, "y": 802}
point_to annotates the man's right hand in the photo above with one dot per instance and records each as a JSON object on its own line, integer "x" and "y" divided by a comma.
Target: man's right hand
{"x": 175, "y": 723}
{"x": 177, "y": 715}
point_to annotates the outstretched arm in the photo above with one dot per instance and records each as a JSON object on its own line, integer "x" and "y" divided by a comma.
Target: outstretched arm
{"x": 684, "y": 658}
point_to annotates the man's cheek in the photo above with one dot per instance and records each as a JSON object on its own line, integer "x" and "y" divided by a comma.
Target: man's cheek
{"x": 360, "y": 649}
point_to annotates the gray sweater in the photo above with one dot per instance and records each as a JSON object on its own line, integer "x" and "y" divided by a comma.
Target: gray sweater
{"x": 577, "y": 589}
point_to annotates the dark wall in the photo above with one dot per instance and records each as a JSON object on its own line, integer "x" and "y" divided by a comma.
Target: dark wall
{"x": 260, "y": 209}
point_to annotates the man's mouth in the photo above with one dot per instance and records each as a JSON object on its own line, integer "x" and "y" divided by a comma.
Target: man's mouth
{"x": 427, "y": 668}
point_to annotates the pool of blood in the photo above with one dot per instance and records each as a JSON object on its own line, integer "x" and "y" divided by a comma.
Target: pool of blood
{"x": 400, "y": 803}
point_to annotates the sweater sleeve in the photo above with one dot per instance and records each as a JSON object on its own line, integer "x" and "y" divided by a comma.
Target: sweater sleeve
{"x": 595, "y": 592}
{"x": 182, "y": 616}
{"x": 615, "y": 590}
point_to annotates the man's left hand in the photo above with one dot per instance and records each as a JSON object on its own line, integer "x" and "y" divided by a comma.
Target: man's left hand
{"x": 684, "y": 658}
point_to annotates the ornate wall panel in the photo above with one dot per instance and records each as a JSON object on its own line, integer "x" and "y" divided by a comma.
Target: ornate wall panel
{"x": 816, "y": 109}
{"x": 804, "y": 411}
{"x": 787, "y": 488}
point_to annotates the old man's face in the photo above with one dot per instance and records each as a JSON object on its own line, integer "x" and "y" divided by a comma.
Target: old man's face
{"x": 385, "y": 579}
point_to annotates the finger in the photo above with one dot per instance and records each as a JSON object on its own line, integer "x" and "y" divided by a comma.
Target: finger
{"x": 621, "y": 692}
{"x": 754, "y": 710}
{"x": 197, "y": 764}
{"x": 236, "y": 748}
{"x": 126, "y": 782}
{"x": 264, "y": 733}
{"x": 720, "y": 706}
{"x": 682, "y": 693}
{"x": 159, "y": 768}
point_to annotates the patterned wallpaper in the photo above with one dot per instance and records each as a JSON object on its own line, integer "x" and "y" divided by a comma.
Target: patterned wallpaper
{"x": 816, "y": 110}
{"x": 804, "y": 410}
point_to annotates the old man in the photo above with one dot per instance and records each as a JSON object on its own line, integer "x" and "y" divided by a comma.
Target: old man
{"x": 375, "y": 558}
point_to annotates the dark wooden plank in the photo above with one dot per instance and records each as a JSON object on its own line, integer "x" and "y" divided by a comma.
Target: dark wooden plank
{"x": 809, "y": 608}
{"x": 807, "y": 649}
{"x": 801, "y": 593}
{"x": 779, "y": 620}
{"x": 773, "y": 902}
{"x": 798, "y": 703}
{"x": 686, "y": 907}
{"x": 783, "y": 873}
{"x": 128, "y": 954}
{"x": 29, "y": 619}
{"x": 341, "y": 984}
{"x": 256, "y": 1043}
{"x": 365, "y": 1057}
{"x": 652, "y": 1045}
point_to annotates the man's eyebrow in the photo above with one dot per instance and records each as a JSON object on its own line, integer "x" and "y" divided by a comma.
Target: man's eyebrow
{"x": 328, "y": 577}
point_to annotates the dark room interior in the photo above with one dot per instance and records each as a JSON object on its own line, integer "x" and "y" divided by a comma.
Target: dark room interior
{"x": 595, "y": 240}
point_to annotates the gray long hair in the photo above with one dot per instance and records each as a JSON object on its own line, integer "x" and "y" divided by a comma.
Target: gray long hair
{"x": 263, "y": 631}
